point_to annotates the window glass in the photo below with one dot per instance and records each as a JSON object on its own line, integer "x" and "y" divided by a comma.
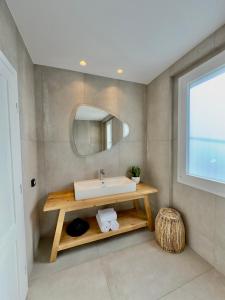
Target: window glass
{"x": 206, "y": 145}
{"x": 109, "y": 134}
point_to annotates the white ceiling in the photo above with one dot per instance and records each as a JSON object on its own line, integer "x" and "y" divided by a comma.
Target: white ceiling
{"x": 90, "y": 113}
{"x": 143, "y": 37}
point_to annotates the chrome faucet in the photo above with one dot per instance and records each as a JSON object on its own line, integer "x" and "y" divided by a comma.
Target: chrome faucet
{"x": 101, "y": 175}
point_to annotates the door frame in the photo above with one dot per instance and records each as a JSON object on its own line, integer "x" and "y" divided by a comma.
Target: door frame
{"x": 15, "y": 140}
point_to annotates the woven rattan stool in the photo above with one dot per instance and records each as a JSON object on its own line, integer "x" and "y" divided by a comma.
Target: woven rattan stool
{"x": 169, "y": 230}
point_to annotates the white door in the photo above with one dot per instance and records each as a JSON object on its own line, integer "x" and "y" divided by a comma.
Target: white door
{"x": 13, "y": 270}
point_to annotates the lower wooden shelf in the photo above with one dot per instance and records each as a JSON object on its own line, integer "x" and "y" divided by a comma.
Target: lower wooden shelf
{"x": 129, "y": 220}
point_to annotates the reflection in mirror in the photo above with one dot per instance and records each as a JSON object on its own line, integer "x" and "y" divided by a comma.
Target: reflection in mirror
{"x": 95, "y": 130}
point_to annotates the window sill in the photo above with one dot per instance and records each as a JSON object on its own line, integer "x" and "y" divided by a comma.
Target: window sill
{"x": 205, "y": 185}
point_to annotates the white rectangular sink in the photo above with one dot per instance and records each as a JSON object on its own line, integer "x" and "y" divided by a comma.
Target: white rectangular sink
{"x": 109, "y": 186}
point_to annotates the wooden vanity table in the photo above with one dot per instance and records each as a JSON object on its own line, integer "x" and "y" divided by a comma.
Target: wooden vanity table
{"x": 129, "y": 220}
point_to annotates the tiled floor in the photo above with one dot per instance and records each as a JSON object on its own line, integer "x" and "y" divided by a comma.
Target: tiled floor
{"x": 130, "y": 267}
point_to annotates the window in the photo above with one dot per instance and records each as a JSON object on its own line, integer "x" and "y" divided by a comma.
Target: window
{"x": 201, "y": 126}
{"x": 109, "y": 134}
{"x": 125, "y": 130}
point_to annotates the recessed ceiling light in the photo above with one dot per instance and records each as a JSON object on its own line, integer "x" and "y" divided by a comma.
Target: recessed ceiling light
{"x": 120, "y": 71}
{"x": 83, "y": 63}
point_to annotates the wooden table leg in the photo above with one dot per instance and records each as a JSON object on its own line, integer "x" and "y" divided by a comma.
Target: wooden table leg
{"x": 136, "y": 204}
{"x": 148, "y": 211}
{"x": 57, "y": 236}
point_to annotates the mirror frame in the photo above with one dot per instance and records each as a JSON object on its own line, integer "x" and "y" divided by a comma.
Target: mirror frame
{"x": 72, "y": 138}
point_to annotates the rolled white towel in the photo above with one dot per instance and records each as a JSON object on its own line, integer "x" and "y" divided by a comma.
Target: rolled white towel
{"x": 104, "y": 226}
{"x": 114, "y": 225}
{"x": 108, "y": 214}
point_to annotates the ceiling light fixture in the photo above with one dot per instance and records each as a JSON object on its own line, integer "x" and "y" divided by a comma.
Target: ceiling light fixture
{"x": 120, "y": 71}
{"x": 83, "y": 63}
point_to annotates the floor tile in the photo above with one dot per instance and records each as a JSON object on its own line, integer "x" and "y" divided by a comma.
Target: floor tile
{"x": 209, "y": 286}
{"x": 147, "y": 272}
{"x": 84, "y": 282}
{"x": 66, "y": 259}
{"x": 85, "y": 253}
{"x": 127, "y": 267}
{"x": 124, "y": 241}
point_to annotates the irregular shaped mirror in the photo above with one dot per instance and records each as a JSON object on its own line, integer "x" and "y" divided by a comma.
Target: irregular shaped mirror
{"x": 95, "y": 130}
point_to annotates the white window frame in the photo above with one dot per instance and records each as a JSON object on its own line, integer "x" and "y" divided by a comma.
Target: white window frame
{"x": 184, "y": 82}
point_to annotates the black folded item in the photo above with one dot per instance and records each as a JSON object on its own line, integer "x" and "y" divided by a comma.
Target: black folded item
{"x": 77, "y": 227}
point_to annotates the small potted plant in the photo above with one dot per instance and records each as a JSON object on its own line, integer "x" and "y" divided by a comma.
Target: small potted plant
{"x": 135, "y": 173}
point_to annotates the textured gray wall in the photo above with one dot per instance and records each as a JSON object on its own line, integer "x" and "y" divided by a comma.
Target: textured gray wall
{"x": 204, "y": 213}
{"x": 11, "y": 44}
{"x": 58, "y": 93}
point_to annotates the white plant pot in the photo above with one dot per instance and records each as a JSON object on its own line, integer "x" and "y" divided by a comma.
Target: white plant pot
{"x": 136, "y": 179}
